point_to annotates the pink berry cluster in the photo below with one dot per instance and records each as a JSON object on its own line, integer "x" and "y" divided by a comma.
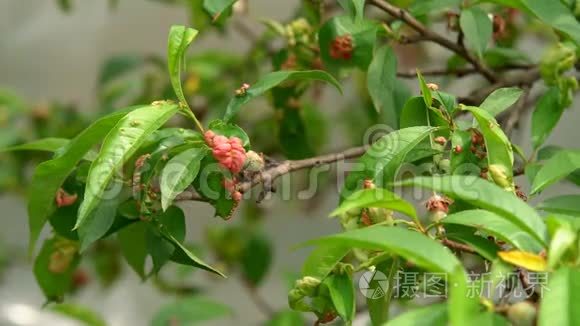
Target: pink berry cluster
{"x": 229, "y": 152}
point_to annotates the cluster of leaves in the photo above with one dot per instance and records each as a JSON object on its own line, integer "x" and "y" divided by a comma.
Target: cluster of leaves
{"x": 127, "y": 189}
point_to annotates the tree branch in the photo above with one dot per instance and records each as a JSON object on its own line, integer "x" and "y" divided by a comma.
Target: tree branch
{"x": 459, "y": 72}
{"x": 278, "y": 169}
{"x": 430, "y": 35}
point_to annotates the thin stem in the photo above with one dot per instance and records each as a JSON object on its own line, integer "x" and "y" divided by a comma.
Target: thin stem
{"x": 193, "y": 118}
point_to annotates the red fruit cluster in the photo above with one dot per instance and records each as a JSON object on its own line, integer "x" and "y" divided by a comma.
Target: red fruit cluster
{"x": 341, "y": 47}
{"x": 229, "y": 152}
{"x": 64, "y": 199}
{"x": 438, "y": 203}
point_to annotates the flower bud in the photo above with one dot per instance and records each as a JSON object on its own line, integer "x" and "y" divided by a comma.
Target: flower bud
{"x": 433, "y": 86}
{"x": 64, "y": 199}
{"x": 254, "y": 162}
{"x": 440, "y": 140}
{"x": 499, "y": 176}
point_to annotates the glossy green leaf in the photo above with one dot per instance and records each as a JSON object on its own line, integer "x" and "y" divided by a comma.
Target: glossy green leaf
{"x": 160, "y": 249}
{"x": 415, "y": 247}
{"x": 499, "y": 148}
{"x": 50, "y": 144}
{"x": 118, "y": 147}
{"x": 341, "y": 289}
{"x": 382, "y": 160}
{"x": 179, "y": 39}
{"x": 256, "y": 259}
{"x": 559, "y": 305}
{"x": 216, "y": 7}
{"x": 484, "y": 247}
{"x": 546, "y": 153}
{"x": 477, "y": 28}
{"x": 500, "y": 100}
{"x": 133, "y": 246}
{"x": 79, "y": 313}
{"x": 273, "y": 79}
{"x": 433, "y": 315}
{"x": 179, "y": 173}
{"x": 425, "y": 91}
{"x": 567, "y": 204}
{"x": 496, "y": 225}
{"x": 376, "y": 197}
{"x": 190, "y": 311}
{"x": 322, "y": 260}
{"x": 484, "y": 194}
{"x": 381, "y": 80}
{"x": 555, "y": 169}
{"x": 50, "y": 175}
{"x": 379, "y": 307}
{"x": 545, "y": 117}
{"x": 98, "y": 223}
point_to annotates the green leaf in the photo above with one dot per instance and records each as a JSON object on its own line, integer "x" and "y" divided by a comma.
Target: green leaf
{"x": 500, "y": 100}
{"x": 160, "y": 249}
{"x": 118, "y": 147}
{"x": 381, "y": 79}
{"x": 477, "y": 28}
{"x": 273, "y": 79}
{"x": 379, "y": 307}
{"x": 484, "y": 194}
{"x": 567, "y": 204}
{"x": 98, "y": 223}
{"x": 415, "y": 247}
{"x": 50, "y": 175}
{"x": 256, "y": 259}
{"x": 286, "y": 318}
{"x": 190, "y": 311}
{"x": 559, "y": 305}
{"x": 382, "y": 160}
{"x": 433, "y": 315}
{"x": 183, "y": 256}
{"x": 484, "y": 247}
{"x": 376, "y": 197}
{"x": 462, "y": 306}
{"x": 544, "y": 154}
{"x": 216, "y": 7}
{"x": 80, "y": 313}
{"x": 118, "y": 65}
{"x": 555, "y": 14}
{"x": 179, "y": 39}
{"x": 563, "y": 240}
{"x": 555, "y": 169}
{"x": 499, "y": 148}
{"x": 322, "y": 260}
{"x": 497, "y": 226}
{"x": 133, "y": 246}
{"x": 545, "y": 117}
{"x": 425, "y": 91}
{"x": 423, "y": 7}
{"x": 50, "y": 144}
{"x": 54, "y": 267}
{"x": 179, "y": 173}
{"x": 341, "y": 289}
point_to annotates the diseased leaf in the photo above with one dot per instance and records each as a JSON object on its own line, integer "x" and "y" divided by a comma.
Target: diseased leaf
{"x": 500, "y": 100}
{"x": 189, "y": 311}
{"x": 49, "y": 176}
{"x": 342, "y": 294}
{"x": 322, "y": 260}
{"x": 179, "y": 173}
{"x": 178, "y": 41}
{"x": 548, "y": 111}
{"x": 50, "y": 144}
{"x": 410, "y": 245}
{"x": 524, "y": 259}
{"x": 484, "y": 194}
{"x": 559, "y": 305}
{"x": 381, "y": 78}
{"x": 477, "y": 28}
{"x": 119, "y": 145}
{"x": 555, "y": 169}
{"x": 376, "y": 197}
{"x": 496, "y": 225}
{"x": 273, "y": 79}
{"x": 382, "y": 160}
{"x": 54, "y": 267}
